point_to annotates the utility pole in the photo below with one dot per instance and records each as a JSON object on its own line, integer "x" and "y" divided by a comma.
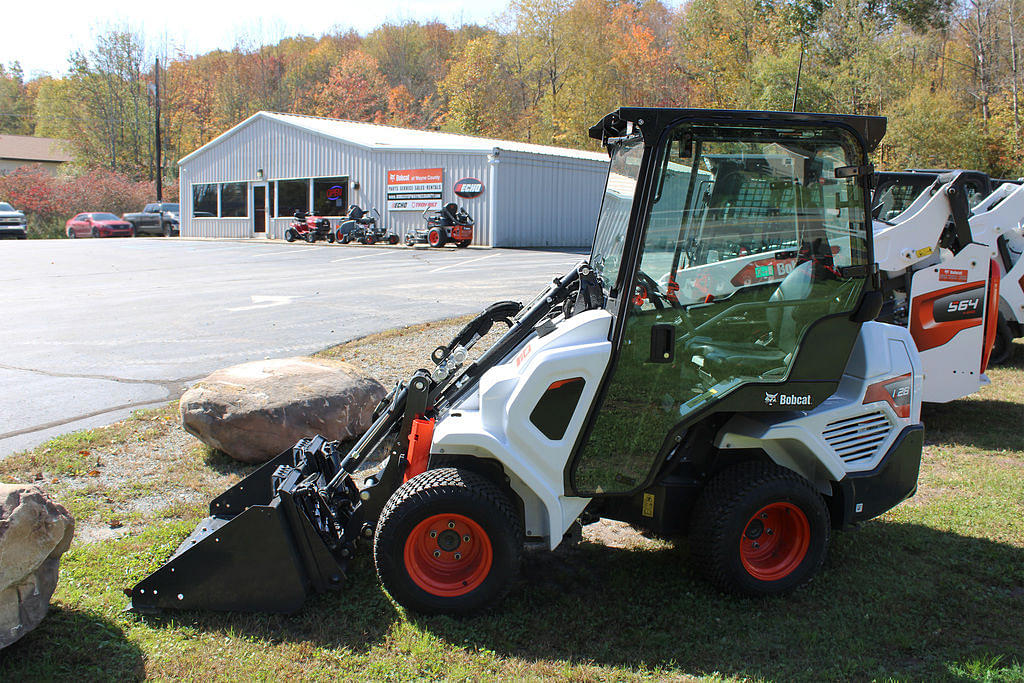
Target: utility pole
{"x": 159, "y": 155}
{"x": 799, "y": 70}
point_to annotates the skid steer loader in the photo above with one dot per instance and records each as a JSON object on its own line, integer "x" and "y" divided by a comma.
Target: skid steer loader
{"x": 755, "y": 420}
{"x": 938, "y": 225}
{"x": 943, "y": 283}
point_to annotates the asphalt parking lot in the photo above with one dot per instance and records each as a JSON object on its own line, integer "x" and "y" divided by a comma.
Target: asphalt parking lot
{"x": 92, "y": 329}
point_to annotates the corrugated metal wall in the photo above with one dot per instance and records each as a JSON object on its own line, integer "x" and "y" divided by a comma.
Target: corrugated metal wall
{"x": 528, "y": 200}
{"x": 547, "y": 201}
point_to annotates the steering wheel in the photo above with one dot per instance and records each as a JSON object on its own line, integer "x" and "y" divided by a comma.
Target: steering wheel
{"x": 659, "y": 300}
{"x": 654, "y": 294}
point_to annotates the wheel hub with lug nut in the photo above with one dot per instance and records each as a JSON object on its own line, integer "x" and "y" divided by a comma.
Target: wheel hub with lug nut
{"x": 448, "y": 555}
{"x": 775, "y": 541}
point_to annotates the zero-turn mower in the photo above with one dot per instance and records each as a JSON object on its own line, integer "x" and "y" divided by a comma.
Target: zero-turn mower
{"x": 755, "y": 420}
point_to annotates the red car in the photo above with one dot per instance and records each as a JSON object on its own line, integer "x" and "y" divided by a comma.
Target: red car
{"x": 99, "y": 225}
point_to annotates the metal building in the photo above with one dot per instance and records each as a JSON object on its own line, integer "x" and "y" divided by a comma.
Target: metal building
{"x": 250, "y": 180}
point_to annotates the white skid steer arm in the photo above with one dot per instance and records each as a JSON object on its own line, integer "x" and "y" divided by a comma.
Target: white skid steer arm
{"x": 911, "y": 241}
{"x": 1001, "y": 214}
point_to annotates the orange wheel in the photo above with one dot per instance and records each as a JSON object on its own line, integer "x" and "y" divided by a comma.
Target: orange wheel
{"x": 759, "y": 529}
{"x": 775, "y": 541}
{"x": 448, "y": 541}
{"x": 448, "y": 555}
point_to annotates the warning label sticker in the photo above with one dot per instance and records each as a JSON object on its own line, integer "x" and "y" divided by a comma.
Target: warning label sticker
{"x": 952, "y": 275}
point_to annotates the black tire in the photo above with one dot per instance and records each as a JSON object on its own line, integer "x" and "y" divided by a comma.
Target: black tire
{"x": 734, "y": 506}
{"x": 72, "y": 235}
{"x": 289, "y": 235}
{"x": 166, "y": 229}
{"x": 330, "y": 238}
{"x": 436, "y": 238}
{"x": 1002, "y": 347}
{"x": 95, "y": 232}
{"x": 310, "y": 237}
{"x": 462, "y": 244}
{"x": 464, "y": 584}
{"x": 370, "y": 239}
{"x": 132, "y": 232}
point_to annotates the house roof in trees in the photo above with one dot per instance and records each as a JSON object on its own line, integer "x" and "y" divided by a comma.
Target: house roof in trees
{"x": 373, "y": 136}
{"x": 28, "y": 148}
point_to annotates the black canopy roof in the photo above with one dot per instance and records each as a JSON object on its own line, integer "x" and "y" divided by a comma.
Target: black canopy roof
{"x": 653, "y": 120}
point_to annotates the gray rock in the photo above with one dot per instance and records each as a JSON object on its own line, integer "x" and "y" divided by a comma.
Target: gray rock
{"x": 254, "y": 411}
{"x": 34, "y": 533}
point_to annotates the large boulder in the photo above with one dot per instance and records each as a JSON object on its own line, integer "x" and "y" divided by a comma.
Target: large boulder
{"x": 34, "y": 533}
{"x": 253, "y": 411}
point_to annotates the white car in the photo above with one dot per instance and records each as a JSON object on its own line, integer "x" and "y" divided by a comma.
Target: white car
{"x": 12, "y": 222}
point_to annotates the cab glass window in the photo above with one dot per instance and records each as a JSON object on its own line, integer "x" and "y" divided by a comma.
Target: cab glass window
{"x": 748, "y": 242}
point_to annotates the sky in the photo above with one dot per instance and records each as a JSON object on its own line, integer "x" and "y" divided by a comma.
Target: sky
{"x": 41, "y": 35}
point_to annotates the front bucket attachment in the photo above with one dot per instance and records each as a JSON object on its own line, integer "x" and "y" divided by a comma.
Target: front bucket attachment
{"x": 258, "y": 551}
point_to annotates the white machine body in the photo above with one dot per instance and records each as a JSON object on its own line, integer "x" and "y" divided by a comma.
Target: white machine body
{"x": 494, "y": 421}
{"x": 879, "y": 394}
{"x": 850, "y": 432}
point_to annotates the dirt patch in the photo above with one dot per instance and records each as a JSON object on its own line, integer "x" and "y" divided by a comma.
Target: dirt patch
{"x": 615, "y": 534}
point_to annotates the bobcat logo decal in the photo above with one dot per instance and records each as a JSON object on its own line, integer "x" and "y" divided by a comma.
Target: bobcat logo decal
{"x": 770, "y": 399}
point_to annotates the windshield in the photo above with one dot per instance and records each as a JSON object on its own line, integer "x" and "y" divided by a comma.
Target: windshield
{"x": 606, "y": 256}
{"x": 4, "y": 206}
{"x": 105, "y": 217}
{"x": 173, "y": 208}
{"x": 740, "y": 208}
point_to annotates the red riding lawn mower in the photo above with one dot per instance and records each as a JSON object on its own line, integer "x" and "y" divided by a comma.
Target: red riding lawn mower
{"x": 308, "y": 227}
{"x": 451, "y": 224}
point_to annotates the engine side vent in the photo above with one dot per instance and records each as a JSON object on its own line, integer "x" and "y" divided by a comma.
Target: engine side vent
{"x": 857, "y": 438}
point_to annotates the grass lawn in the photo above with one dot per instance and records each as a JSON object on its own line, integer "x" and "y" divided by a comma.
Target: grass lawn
{"x": 934, "y": 590}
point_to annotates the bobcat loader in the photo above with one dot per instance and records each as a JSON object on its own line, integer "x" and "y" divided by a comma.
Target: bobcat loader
{"x": 937, "y": 225}
{"x": 942, "y": 279}
{"x": 755, "y": 421}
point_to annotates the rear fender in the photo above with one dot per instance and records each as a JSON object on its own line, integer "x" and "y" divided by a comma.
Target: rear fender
{"x": 878, "y": 397}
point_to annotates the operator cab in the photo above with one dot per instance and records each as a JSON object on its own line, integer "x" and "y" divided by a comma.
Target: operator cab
{"x": 732, "y": 280}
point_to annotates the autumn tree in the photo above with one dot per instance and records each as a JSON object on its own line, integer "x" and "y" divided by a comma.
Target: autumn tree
{"x": 355, "y": 90}
{"x": 16, "y": 102}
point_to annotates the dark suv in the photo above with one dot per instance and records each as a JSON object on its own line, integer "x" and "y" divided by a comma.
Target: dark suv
{"x": 12, "y": 222}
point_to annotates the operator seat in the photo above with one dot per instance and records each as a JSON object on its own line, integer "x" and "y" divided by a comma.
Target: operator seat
{"x": 755, "y": 357}
{"x": 450, "y": 213}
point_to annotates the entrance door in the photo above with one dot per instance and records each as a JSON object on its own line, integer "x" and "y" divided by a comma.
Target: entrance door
{"x": 259, "y": 210}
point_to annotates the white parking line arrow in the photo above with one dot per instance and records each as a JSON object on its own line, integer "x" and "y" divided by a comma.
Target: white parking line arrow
{"x": 259, "y": 301}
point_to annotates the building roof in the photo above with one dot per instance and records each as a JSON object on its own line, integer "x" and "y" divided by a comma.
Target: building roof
{"x": 375, "y": 136}
{"x": 28, "y": 148}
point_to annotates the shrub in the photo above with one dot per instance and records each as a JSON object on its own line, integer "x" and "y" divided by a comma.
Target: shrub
{"x": 48, "y": 200}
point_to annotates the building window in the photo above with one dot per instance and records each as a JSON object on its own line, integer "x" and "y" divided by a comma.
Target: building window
{"x": 330, "y": 196}
{"x": 204, "y": 200}
{"x": 232, "y": 200}
{"x": 292, "y": 196}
